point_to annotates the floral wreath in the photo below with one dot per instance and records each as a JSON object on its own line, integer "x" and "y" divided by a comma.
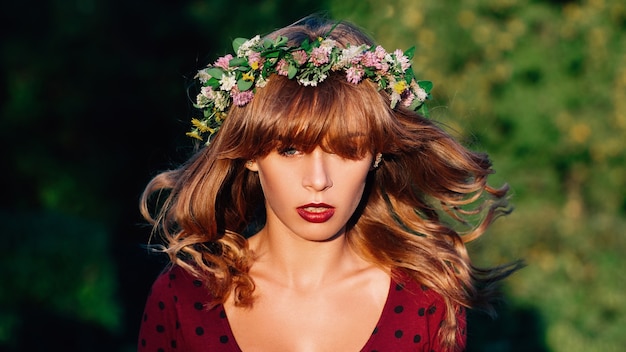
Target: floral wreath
{"x": 233, "y": 80}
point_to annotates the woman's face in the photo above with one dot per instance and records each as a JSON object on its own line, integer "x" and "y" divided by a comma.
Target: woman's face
{"x": 310, "y": 196}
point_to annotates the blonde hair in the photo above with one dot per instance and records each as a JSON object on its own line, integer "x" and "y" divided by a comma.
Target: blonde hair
{"x": 212, "y": 200}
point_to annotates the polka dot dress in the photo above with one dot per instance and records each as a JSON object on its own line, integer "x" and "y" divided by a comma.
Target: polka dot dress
{"x": 175, "y": 319}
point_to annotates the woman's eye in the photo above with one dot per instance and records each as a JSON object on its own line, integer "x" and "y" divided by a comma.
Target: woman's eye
{"x": 290, "y": 151}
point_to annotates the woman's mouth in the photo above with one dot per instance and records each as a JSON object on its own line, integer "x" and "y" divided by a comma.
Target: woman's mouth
{"x": 316, "y": 213}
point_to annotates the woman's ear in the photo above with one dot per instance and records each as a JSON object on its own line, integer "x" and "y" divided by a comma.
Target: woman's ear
{"x": 252, "y": 166}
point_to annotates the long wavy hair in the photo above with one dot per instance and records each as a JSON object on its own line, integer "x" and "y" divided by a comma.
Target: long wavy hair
{"x": 427, "y": 198}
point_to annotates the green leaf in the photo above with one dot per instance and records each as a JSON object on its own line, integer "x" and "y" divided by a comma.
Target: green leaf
{"x": 238, "y": 61}
{"x": 237, "y": 43}
{"x": 306, "y": 45}
{"x": 280, "y": 41}
{"x": 409, "y": 75}
{"x": 215, "y": 72}
{"x": 272, "y": 54}
{"x": 426, "y": 85}
{"x": 291, "y": 71}
{"x": 423, "y": 110}
{"x": 267, "y": 43}
{"x": 213, "y": 82}
{"x": 244, "y": 85}
{"x": 410, "y": 52}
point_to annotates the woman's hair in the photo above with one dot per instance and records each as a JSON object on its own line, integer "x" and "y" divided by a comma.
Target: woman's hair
{"x": 427, "y": 198}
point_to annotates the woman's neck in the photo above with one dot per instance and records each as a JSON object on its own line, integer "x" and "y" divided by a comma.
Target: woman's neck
{"x": 302, "y": 264}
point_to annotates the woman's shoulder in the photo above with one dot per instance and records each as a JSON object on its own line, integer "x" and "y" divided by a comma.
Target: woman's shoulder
{"x": 411, "y": 317}
{"x": 178, "y": 283}
{"x": 409, "y": 289}
{"x": 180, "y": 309}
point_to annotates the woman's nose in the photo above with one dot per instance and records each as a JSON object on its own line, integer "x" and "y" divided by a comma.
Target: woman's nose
{"x": 316, "y": 174}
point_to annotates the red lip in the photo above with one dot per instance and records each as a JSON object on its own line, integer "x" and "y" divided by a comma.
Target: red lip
{"x": 316, "y": 212}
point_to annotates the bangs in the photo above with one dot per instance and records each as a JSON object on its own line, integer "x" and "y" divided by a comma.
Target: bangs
{"x": 342, "y": 118}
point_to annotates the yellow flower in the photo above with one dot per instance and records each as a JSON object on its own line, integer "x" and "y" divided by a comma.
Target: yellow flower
{"x": 201, "y": 126}
{"x": 254, "y": 65}
{"x": 248, "y": 77}
{"x": 399, "y": 87}
{"x": 194, "y": 134}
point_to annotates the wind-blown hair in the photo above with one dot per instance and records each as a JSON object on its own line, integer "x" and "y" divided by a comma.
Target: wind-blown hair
{"x": 213, "y": 201}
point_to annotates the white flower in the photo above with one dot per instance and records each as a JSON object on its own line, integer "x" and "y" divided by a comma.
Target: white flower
{"x": 202, "y": 101}
{"x": 222, "y": 102}
{"x": 328, "y": 44}
{"x": 421, "y": 94}
{"x": 247, "y": 47}
{"x": 203, "y": 76}
{"x": 228, "y": 82}
{"x": 305, "y": 81}
{"x": 261, "y": 82}
{"x": 349, "y": 56}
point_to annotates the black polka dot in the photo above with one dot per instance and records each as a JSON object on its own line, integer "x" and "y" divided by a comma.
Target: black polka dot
{"x": 197, "y": 305}
{"x": 424, "y": 288}
{"x": 177, "y": 324}
{"x": 375, "y": 330}
{"x": 197, "y": 283}
{"x": 223, "y": 339}
{"x": 432, "y": 310}
{"x": 398, "y": 309}
{"x": 143, "y": 342}
{"x": 199, "y": 331}
{"x": 421, "y": 312}
{"x": 398, "y": 333}
{"x": 175, "y": 298}
{"x": 223, "y": 314}
{"x": 399, "y": 287}
{"x": 161, "y": 305}
{"x": 160, "y": 350}
{"x": 172, "y": 276}
{"x": 417, "y": 338}
{"x": 160, "y": 328}
{"x": 173, "y": 343}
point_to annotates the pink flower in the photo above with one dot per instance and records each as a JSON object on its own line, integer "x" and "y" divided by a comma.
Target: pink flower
{"x": 207, "y": 92}
{"x": 320, "y": 55}
{"x": 255, "y": 60}
{"x": 223, "y": 61}
{"x": 242, "y": 98}
{"x": 407, "y": 99}
{"x": 354, "y": 74}
{"x": 370, "y": 59}
{"x": 380, "y": 52}
{"x": 402, "y": 60}
{"x": 300, "y": 57}
{"x": 282, "y": 67}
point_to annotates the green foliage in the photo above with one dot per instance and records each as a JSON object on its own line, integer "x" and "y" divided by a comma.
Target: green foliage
{"x": 541, "y": 87}
{"x": 58, "y": 266}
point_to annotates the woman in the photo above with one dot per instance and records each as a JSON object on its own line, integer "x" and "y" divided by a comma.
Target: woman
{"x": 312, "y": 220}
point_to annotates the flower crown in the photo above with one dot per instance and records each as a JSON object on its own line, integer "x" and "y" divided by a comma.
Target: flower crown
{"x": 233, "y": 80}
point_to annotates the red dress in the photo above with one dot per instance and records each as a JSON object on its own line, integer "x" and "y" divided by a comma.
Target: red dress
{"x": 175, "y": 319}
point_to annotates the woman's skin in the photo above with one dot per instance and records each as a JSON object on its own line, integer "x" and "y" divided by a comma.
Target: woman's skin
{"x": 311, "y": 287}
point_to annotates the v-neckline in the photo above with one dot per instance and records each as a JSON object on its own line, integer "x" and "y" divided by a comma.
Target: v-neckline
{"x": 382, "y": 317}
